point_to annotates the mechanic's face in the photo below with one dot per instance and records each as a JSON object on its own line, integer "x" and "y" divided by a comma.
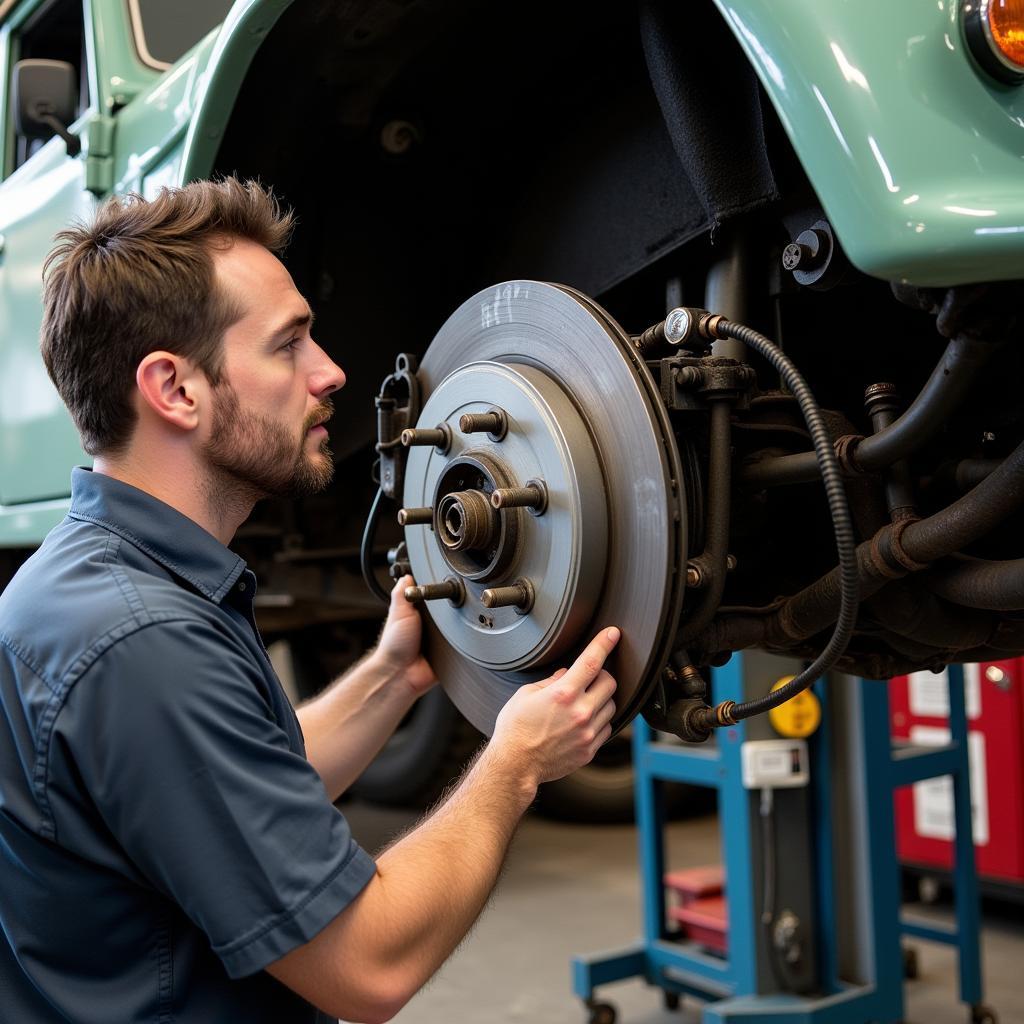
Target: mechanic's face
{"x": 276, "y": 382}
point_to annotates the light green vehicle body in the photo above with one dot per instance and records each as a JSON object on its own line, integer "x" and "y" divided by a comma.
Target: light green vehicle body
{"x": 915, "y": 155}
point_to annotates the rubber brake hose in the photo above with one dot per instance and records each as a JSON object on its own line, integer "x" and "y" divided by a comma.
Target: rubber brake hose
{"x": 713, "y": 327}
{"x": 366, "y": 549}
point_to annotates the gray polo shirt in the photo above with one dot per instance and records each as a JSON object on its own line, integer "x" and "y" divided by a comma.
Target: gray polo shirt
{"x": 162, "y": 836}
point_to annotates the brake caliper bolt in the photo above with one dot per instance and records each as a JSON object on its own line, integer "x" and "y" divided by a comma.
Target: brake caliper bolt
{"x": 415, "y": 516}
{"x": 689, "y": 376}
{"x": 440, "y": 437}
{"x": 534, "y": 496}
{"x": 493, "y": 423}
{"x": 451, "y": 589}
{"x": 520, "y": 595}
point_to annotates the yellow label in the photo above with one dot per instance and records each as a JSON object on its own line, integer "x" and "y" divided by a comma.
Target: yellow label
{"x": 799, "y": 716}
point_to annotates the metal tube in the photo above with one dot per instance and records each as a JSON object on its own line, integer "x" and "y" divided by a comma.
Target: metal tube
{"x": 725, "y": 291}
{"x": 970, "y": 517}
{"x": 712, "y": 563}
{"x": 948, "y": 385}
{"x": 882, "y": 404}
{"x": 977, "y": 583}
{"x": 814, "y": 608}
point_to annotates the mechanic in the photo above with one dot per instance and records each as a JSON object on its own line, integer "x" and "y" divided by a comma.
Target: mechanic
{"x": 168, "y": 841}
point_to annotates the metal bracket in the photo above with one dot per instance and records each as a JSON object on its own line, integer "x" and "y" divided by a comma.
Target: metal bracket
{"x": 99, "y": 159}
{"x": 688, "y": 382}
{"x": 398, "y": 407}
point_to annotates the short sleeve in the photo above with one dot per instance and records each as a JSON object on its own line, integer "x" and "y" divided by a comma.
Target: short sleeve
{"x": 181, "y": 754}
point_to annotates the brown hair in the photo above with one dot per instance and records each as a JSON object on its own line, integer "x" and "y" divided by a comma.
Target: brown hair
{"x": 140, "y": 279}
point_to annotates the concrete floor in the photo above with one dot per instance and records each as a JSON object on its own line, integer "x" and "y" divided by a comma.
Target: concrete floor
{"x": 575, "y": 889}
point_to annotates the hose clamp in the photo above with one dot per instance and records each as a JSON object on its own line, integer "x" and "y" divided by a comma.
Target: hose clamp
{"x": 888, "y": 556}
{"x": 723, "y": 713}
{"x": 846, "y": 452}
{"x": 896, "y": 545}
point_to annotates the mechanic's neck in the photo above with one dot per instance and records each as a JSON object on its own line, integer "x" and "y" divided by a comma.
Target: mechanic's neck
{"x": 215, "y": 505}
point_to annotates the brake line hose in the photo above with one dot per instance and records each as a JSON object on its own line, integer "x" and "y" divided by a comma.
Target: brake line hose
{"x": 366, "y": 549}
{"x": 714, "y": 327}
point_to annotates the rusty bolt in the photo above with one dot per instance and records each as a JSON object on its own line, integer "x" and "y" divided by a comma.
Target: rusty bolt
{"x": 730, "y": 563}
{"x": 520, "y": 595}
{"x": 415, "y": 516}
{"x": 689, "y": 376}
{"x": 534, "y": 496}
{"x": 451, "y": 589}
{"x": 694, "y": 576}
{"x": 494, "y": 423}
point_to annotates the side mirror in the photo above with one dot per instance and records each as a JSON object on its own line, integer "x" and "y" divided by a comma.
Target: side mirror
{"x": 45, "y": 100}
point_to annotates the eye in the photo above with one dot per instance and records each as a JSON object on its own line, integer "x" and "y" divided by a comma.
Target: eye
{"x": 290, "y": 344}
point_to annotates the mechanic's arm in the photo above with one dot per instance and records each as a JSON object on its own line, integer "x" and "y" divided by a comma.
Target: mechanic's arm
{"x": 432, "y": 885}
{"x": 346, "y": 726}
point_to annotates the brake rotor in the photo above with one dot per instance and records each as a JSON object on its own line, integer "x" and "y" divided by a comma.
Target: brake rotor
{"x": 591, "y": 528}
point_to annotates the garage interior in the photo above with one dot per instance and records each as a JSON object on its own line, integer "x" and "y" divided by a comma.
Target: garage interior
{"x": 609, "y": 362}
{"x": 468, "y": 163}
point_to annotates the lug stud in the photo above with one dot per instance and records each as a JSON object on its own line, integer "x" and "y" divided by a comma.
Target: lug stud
{"x": 440, "y": 437}
{"x": 451, "y": 589}
{"x": 415, "y": 516}
{"x": 534, "y": 496}
{"x": 493, "y": 423}
{"x": 520, "y": 595}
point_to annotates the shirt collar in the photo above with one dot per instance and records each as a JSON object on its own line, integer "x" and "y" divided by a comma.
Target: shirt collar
{"x": 178, "y": 543}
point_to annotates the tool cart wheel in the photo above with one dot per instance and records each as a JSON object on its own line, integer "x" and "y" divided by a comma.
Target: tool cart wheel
{"x": 911, "y": 967}
{"x": 981, "y": 1014}
{"x": 602, "y": 1013}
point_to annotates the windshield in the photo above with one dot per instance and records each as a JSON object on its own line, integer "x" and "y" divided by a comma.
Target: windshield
{"x": 164, "y": 31}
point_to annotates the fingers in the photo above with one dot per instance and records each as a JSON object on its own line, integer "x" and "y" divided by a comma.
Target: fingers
{"x": 398, "y": 601}
{"x": 601, "y": 739}
{"x": 604, "y": 715}
{"x": 553, "y": 678}
{"x": 586, "y": 667}
{"x": 601, "y": 688}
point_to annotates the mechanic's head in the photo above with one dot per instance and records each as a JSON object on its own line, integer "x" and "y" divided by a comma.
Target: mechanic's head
{"x": 173, "y": 322}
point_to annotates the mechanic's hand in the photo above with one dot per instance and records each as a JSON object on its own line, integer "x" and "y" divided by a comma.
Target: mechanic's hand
{"x": 555, "y": 726}
{"x": 398, "y": 652}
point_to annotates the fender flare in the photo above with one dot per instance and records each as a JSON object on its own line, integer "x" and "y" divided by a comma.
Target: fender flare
{"x": 246, "y": 28}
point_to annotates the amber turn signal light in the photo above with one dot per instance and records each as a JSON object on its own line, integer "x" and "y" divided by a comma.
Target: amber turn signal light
{"x": 994, "y": 31}
{"x": 1006, "y": 22}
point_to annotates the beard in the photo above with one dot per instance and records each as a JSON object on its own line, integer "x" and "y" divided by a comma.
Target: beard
{"x": 250, "y": 452}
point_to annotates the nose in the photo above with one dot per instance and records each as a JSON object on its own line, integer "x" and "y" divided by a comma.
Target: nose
{"x": 328, "y": 375}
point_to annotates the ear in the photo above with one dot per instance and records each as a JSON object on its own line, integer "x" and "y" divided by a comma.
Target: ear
{"x": 173, "y": 388}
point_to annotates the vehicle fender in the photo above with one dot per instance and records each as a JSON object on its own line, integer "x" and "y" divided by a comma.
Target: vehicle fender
{"x": 244, "y": 30}
{"x": 914, "y": 153}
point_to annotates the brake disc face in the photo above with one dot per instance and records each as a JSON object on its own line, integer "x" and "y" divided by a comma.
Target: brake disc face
{"x": 596, "y": 534}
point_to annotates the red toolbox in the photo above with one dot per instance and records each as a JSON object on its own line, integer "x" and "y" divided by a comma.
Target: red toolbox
{"x": 994, "y": 697}
{"x": 700, "y": 910}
